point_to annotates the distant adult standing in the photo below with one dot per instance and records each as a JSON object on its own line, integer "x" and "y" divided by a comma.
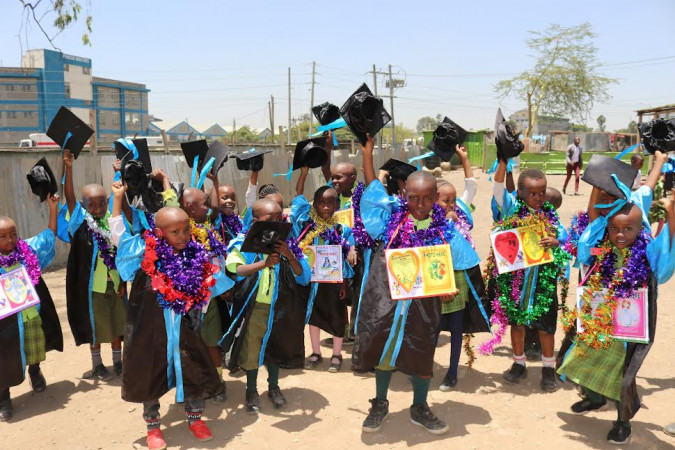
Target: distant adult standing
{"x": 574, "y": 163}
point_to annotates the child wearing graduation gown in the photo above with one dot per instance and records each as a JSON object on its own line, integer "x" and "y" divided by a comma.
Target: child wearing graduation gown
{"x": 468, "y": 311}
{"x": 268, "y": 310}
{"x": 26, "y": 336}
{"x": 622, "y": 258}
{"x": 399, "y": 335}
{"x": 94, "y": 292}
{"x": 172, "y": 276}
{"x": 327, "y": 309}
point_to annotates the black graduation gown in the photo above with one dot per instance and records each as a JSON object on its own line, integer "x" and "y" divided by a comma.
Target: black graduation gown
{"x": 329, "y": 312}
{"x": 474, "y": 321}
{"x": 375, "y": 322}
{"x": 635, "y": 356}
{"x": 286, "y": 344}
{"x": 12, "y": 371}
{"x": 145, "y": 375}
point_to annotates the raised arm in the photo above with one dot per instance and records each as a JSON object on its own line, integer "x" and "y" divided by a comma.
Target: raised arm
{"x": 500, "y": 173}
{"x": 118, "y": 190}
{"x": 660, "y": 159}
{"x": 53, "y": 201}
{"x": 368, "y": 166}
{"x": 325, "y": 169}
{"x": 464, "y": 158}
{"x": 300, "y": 186}
{"x": 593, "y": 212}
{"x": 68, "y": 188}
{"x": 669, "y": 206}
{"x": 252, "y": 189}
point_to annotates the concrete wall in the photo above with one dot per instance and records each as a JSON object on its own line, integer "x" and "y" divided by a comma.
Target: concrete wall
{"x": 31, "y": 216}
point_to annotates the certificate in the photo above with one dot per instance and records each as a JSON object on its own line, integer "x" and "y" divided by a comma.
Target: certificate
{"x": 326, "y": 263}
{"x": 16, "y": 292}
{"x": 420, "y": 272}
{"x": 519, "y": 248}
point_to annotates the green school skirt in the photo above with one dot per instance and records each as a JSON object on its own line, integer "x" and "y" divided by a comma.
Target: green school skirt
{"x": 34, "y": 340}
{"x": 600, "y": 370}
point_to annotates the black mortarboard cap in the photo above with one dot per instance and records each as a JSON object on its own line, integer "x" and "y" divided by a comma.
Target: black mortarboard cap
{"x": 508, "y": 145}
{"x": 195, "y": 148}
{"x": 364, "y": 113}
{"x": 397, "y": 169}
{"x": 42, "y": 180}
{"x": 65, "y": 122}
{"x": 262, "y": 236}
{"x": 219, "y": 152}
{"x": 135, "y": 176}
{"x": 251, "y": 159}
{"x": 446, "y": 136}
{"x": 658, "y": 134}
{"x": 124, "y": 154}
{"x": 326, "y": 113}
{"x": 599, "y": 170}
{"x": 310, "y": 153}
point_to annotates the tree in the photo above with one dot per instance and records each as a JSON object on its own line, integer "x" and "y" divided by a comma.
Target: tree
{"x": 601, "y": 122}
{"x": 428, "y": 123}
{"x": 632, "y": 128}
{"x": 244, "y": 134}
{"x": 580, "y": 128}
{"x": 564, "y": 80}
{"x": 65, "y": 13}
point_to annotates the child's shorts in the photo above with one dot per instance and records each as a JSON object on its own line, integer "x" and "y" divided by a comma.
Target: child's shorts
{"x": 110, "y": 314}
{"x": 249, "y": 353}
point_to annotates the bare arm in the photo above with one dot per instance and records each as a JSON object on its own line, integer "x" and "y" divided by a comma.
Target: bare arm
{"x": 118, "y": 190}
{"x": 654, "y": 175}
{"x": 464, "y": 158}
{"x": 245, "y": 270}
{"x": 68, "y": 188}
{"x": 325, "y": 169}
{"x": 300, "y": 186}
{"x": 500, "y": 173}
{"x": 669, "y": 204}
{"x": 53, "y": 201}
{"x": 368, "y": 166}
{"x": 282, "y": 248}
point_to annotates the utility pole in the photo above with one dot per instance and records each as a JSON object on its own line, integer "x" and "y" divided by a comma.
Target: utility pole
{"x": 379, "y": 137}
{"x": 289, "y": 107}
{"x": 393, "y": 122}
{"x": 311, "y": 103}
{"x": 270, "y": 107}
{"x": 234, "y": 130}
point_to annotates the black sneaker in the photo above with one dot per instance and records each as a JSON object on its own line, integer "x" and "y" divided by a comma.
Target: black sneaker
{"x": 376, "y": 415}
{"x": 515, "y": 373}
{"x": 278, "y": 399}
{"x": 584, "y": 406}
{"x": 548, "y": 381}
{"x": 619, "y": 434}
{"x": 100, "y": 372}
{"x": 252, "y": 402}
{"x": 448, "y": 383}
{"x": 5, "y": 410}
{"x": 38, "y": 382}
{"x": 221, "y": 396}
{"x": 422, "y": 416}
{"x": 117, "y": 367}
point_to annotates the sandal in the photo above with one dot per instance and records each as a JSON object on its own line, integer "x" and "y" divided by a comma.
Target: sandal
{"x": 313, "y": 363}
{"x": 335, "y": 367}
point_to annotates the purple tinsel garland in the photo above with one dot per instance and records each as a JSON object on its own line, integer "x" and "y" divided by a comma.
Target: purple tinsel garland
{"x": 464, "y": 226}
{"x": 361, "y": 237}
{"x": 401, "y": 233}
{"x": 105, "y": 247}
{"x": 579, "y": 223}
{"x": 233, "y": 223}
{"x": 330, "y": 237}
{"x": 24, "y": 255}
{"x": 636, "y": 268}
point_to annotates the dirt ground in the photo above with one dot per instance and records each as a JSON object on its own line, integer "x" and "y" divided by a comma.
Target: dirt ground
{"x": 328, "y": 409}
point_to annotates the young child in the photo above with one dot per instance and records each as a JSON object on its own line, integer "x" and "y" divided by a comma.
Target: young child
{"x": 224, "y": 200}
{"x": 94, "y": 292}
{"x": 624, "y": 258}
{"x": 466, "y": 311}
{"x": 268, "y": 310}
{"x": 399, "y": 335}
{"x": 327, "y": 310}
{"x": 216, "y": 315}
{"x": 637, "y": 161}
{"x": 528, "y": 296}
{"x": 171, "y": 275}
{"x": 28, "y": 334}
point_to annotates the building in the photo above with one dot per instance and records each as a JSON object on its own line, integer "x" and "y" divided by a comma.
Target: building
{"x": 543, "y": 126}
{"x": 215, "y": 131}
{"x": 31, "y": 95}
{"x": 660, "y": 112}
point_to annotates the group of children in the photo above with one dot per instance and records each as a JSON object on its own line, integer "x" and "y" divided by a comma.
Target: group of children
{"x": 185, "y": 294}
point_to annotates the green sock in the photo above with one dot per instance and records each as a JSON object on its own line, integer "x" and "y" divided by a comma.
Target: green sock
{"x": 382, "y": 380}
{"x": 252, "y": 381}
{"x": 420, "y": 389}
{"x": 272, "y": 375}
{"x": 594, "y": 397}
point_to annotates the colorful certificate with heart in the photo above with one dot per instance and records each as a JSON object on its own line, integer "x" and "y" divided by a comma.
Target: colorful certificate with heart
{"x": 420, "y": 272}
{"x": 345, "y": 217}
{"x": 519, "y": 248}
{"x": 16, "y": 292}
{"x": 631, "y": 316}
{"x": 326, "y": 263}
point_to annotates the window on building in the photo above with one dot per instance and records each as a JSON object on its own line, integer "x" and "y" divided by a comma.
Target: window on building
{"x": 86, "y": 70}
{"x": 101, "y": 119}
{"x": 11, "y": 114}
{"x": 67, "y": 88}
{"x": 116, "y": 119}
{"x": 66, "y": 67}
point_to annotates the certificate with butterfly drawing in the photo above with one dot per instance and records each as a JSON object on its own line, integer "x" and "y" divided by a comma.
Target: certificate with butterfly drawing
{"x": 16, "y": 292}
{"x": 519, "y": 248}
{"x": 420, "y": 272}
{"x": 326, "y": 263}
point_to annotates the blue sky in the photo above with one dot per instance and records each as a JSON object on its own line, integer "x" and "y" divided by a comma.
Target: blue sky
{"x": 212, "y": 61}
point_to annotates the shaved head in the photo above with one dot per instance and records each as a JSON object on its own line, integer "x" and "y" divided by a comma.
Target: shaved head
{"x": 421, "y": 176}
{"x": 345, "y": 167}
{"x": 5, "y": 220}
{"x": 191, "y": 195}
{"x": 170, "y": 215}
{"x": 194, "y": 203}
{"x": 265, "y": 207}
{"x": 93, "y": 190}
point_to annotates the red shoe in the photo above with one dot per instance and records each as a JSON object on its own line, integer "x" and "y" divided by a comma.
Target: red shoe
{"x": 156, "y": 440}
{"x": 201, "y": 431}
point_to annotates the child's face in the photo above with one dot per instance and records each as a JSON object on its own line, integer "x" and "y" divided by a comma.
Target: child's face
{"x": 177, "y": 233}
{"x": 277, "y": 198}
{"x": 421, "y": 196}
{"x": 95, "y": 201}
{"x": 533, "y": 192}
{"x": 624, "y": 228}
{"x": 326, "y": 205}
{"x": 227, "y": 200}
{"x": 196, "y": 204}
{"x": 343, "y": 177}
{"x": 447, "y": 197}
{"x": 8, "y": 236}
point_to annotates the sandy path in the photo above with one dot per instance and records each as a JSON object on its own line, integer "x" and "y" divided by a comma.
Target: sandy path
{"x": 328, "y": 409}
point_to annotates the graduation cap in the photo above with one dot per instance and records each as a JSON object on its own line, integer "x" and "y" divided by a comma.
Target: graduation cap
{"x": 262, "y": 236}
{"x": 397, "y": 169}
{"x": 599, "y": 173}
{"x": 658, "y": 134}
{"x": 364, "y": 113}
{"x": 134, "y": 149}
{"x": 69, "y": 131}
{"x": 446, "y": 136}
{"x": 194, "y": 149}
{"x": 42, "y": 180}
{"x": 219, "y": 152}
{"x": 310, "y": 153}
{"x": 508, "y": 145}
{"x": 326, "y": 113}
{"x": 251, "y": 159}
{"x": 136, "y": 178}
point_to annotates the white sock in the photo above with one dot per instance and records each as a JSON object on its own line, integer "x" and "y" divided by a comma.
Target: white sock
{"x": 548, "y": 362}
{"x": 519, "y": 359}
